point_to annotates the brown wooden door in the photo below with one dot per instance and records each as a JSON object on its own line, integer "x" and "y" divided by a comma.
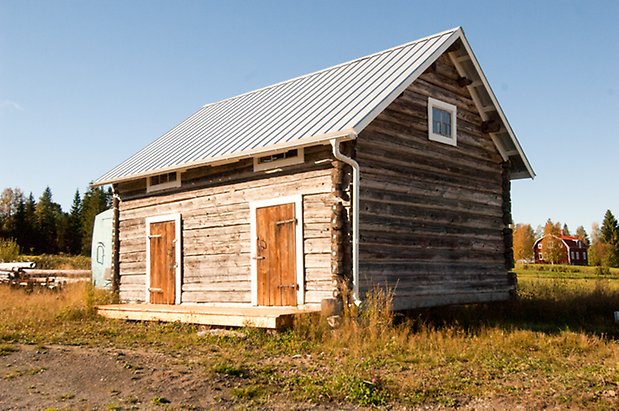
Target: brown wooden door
{"x": 276, "y": 255}
{"x": 162, "y": 262}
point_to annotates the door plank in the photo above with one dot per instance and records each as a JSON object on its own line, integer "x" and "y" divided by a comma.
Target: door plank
{"x": 162, "y": 288}
{"x": 276, "y": 255}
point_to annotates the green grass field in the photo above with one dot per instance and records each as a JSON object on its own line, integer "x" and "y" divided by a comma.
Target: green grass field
{"x": 554, "y": 346}
{"x": 566, "y": 271}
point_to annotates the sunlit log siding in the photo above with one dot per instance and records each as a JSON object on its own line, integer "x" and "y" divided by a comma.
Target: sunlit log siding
{"x": 214, "y": 207}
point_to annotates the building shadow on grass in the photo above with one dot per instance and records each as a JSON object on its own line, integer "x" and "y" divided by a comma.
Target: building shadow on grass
{"x": 588, "y": 312}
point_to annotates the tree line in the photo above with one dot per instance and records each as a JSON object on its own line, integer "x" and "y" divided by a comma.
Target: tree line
{"x": 42, "y": 227}
{"x": 603, "y": 245}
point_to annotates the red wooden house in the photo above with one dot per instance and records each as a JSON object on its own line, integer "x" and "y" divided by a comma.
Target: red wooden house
{"x": 574, "y": 251}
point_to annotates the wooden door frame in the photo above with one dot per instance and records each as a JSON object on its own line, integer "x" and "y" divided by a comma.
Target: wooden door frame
{"x": 179, "y": 263}
{"x": 297, "y": 200}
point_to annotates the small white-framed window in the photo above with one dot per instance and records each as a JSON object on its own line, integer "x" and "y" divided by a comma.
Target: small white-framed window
{"x": 163, "y": 181}
{"x": 279, "y": 159}
{"x": 442, "y": 119}
{"x": 541, "y": 256}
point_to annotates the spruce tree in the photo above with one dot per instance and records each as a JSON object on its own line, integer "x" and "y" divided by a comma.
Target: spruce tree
{"x": 28, "y": 236}
{"x": 20, "y": 222}
{"x": 566, "y": 230}
{"x": 609, "y": 227}
{"x": 74, "y": 240}
{"x": 47, "y": 214}
{"x": 95, "y": 201}
{"x": 610, "y": 235}
{"x": 581, "y": 234}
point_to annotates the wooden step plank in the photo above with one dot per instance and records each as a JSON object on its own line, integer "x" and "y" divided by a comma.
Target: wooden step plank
{"x": 260, "y": 317}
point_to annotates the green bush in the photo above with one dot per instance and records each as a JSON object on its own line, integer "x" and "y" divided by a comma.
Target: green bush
{"x": 9, "y": 250}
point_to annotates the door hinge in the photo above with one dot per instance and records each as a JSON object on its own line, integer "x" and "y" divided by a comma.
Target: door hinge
{"x": 292, "y": 220}
{"x": 293, "y": 286}
{"x": 155, "y": 290}
{"x": 153, "y": 236}
{"x": 260, "y": 257}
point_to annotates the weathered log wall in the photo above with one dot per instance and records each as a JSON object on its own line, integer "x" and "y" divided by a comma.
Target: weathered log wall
{"x": 214, "y": 207}
{"x": 432, "y": 215}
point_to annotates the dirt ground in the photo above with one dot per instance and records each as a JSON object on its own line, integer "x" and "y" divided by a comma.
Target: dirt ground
{"x": 79, "y": 378}
{"x": 65, "y": 377}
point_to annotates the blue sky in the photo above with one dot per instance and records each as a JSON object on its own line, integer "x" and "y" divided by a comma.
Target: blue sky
{"x": 85, "y": 84}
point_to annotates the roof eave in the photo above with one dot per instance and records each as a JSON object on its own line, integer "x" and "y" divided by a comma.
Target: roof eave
{"x": 530, "y": 173}
{"x": 343, "y": 135}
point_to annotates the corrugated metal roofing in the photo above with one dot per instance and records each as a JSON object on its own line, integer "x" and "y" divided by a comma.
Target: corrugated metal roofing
{"x": 335, "y": 101}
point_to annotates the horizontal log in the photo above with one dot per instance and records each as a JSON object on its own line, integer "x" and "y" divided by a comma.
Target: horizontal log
{"x": 380, "y": 250}
{"x": 230, "y": 286}
{"x": 132, "y": 267}
{"x": 412, "y": 231}
{"x": 317, "y": 245}
{"x": 304, "y": 183}
{"x": 415, "y": 105}
{"x": 430, "y": 203}
{"x": 225, "y": 275}
{"x": 474, "y": 148}
{"x": 481, "y": 296}
{"x": 421, "y": 173}
{"x": 424, "y": 87}
{"x": 432, "y": 198}
{"x": 35, "y": 272}
{"x": 221, "y": 296}
{"x": 131, "y": 296}
{"x": 133, "y": 280}
{"x": 316, "y": 296}
{"x": 453, "y": 170}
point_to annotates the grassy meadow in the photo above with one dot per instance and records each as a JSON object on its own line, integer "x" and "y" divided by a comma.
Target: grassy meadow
{"x": 553, "y": 346}
{"x": 57, "y": 262}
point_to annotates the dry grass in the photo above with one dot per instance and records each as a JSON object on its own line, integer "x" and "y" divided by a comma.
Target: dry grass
{"x": 528, "y": 351}
{"x": 554, "y": 347}
{"x": 34, "y": 316}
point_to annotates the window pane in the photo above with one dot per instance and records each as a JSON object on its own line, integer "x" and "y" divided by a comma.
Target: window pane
{"x": 436, "y": 120}
{"x": 446, "y": 117}
{"x": 441, "y": 122}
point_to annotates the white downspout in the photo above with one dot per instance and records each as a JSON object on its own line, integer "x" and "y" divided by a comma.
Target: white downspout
{"x": 355, "y": 217}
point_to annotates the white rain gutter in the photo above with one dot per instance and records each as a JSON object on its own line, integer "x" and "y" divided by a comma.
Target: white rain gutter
{"x": 335, "y": 143}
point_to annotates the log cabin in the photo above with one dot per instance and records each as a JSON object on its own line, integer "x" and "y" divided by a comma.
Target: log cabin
{"x": 392, "y": 170}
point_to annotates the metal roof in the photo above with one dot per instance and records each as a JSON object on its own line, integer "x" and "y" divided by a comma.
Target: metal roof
{"x": 335, "y": 102}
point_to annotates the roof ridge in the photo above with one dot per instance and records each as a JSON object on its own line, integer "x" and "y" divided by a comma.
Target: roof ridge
{"x": 313, "y": 73}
